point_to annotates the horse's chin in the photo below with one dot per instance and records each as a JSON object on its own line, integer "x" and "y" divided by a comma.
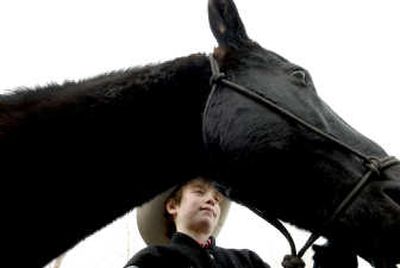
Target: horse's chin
{"x": 373, "y": 229}
{"x": 376, "y": 252}
{"x": 386, "y": 257}
{"x": 384, "y": 263}
{"x": 380, "y": 251}
{"x": 382, "y": 248}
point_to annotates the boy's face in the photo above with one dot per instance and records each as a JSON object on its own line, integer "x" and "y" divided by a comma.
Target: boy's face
{"x": 199, "y": 209}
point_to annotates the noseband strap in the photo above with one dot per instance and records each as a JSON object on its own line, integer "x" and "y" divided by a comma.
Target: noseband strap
{"x": 373, "y": 165}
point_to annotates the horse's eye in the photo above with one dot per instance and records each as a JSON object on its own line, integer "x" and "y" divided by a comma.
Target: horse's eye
{"x": 301, "y": 76}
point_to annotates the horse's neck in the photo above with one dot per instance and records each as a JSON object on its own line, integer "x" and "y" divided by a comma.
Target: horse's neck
{"x": 102, "y": 146}
{"x": 146, "y": 114}
{"x": 121, "y": 97}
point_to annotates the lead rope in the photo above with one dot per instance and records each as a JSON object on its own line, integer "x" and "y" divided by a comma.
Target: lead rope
{"x": 373, "y": 164}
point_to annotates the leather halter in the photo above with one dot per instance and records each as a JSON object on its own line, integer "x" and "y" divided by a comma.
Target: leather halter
{"x": 374, "y": 165}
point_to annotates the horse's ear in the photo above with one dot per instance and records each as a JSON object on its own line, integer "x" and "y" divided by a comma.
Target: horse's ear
{"x": 226, "y": 24}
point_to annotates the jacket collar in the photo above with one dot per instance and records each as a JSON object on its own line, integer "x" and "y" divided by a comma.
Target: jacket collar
{"x": 181, "y": 238}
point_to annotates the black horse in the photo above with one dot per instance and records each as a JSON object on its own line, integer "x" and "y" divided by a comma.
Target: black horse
{"x": 91, "y": 139}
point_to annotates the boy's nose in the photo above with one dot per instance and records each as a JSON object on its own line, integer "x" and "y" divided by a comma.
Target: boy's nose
{"x": 211, "y": 199}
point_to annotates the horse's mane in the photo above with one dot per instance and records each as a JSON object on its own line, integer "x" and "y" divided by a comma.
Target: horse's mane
{"x": 104, "y": 87}
{"x": 109, "y": 91}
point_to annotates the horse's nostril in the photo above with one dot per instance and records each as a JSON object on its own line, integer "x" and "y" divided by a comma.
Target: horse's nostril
{"x": 393, "y": 194}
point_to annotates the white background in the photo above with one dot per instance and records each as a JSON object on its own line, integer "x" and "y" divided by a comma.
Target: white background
{"x": 351, "y": 49}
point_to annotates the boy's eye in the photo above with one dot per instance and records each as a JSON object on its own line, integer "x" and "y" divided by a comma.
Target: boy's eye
{"x": 199, "y": 191}
{"x": 218, "y": 198}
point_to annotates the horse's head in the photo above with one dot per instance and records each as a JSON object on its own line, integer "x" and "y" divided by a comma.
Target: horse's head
{"x": 306, "y": 174}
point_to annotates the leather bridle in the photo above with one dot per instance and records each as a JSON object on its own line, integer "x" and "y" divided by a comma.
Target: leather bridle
{"x": 374, "y": 165}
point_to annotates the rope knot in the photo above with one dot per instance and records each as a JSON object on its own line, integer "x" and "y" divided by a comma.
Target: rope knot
{"x": 374, "y": 164}
{"x": 216, "y": 78}
{"x": 293, "y": 261}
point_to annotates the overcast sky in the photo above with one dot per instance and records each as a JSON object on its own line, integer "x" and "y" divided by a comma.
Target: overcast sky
{"x": 351, "y": 49}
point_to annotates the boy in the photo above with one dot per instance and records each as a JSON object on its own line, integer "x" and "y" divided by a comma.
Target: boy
{"x": 183, "y": 223}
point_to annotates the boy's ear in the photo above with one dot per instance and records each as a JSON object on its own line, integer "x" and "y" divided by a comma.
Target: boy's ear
{"x": 171, "y": 207}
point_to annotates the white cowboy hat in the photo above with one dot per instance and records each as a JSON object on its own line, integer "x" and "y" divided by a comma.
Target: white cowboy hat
{"x": 152, "y": 223}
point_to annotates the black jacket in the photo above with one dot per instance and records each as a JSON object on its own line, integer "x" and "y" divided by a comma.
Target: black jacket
{"x": 185, "y": 252}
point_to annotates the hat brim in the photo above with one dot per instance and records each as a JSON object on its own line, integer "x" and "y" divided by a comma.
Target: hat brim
{"x": 152, "y": 223}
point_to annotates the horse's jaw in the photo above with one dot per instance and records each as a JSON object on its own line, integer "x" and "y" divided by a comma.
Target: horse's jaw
{"x": 378, "y": 263}
{"x": 391, "y": 190}
{"x": 372, "y": 223}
